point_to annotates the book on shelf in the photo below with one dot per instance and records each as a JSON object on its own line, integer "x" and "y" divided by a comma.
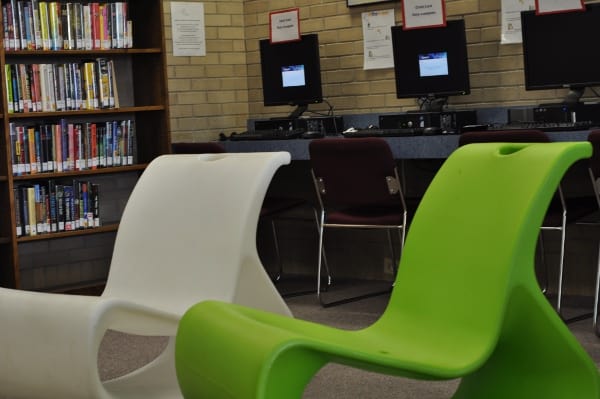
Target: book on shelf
{"x": 87, "y": 85}
{"x": 56, "y": 206}
{"x": 65, "y": 25}
{"x": 68, "y": 146}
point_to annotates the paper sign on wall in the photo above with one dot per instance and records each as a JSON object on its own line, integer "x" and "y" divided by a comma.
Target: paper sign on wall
{"x": 423, "y": 13}
{"x": 284, "y": 25}
{"x": 377, "y": 39}
{"x": 187, "y": 21}
{"x": 554, "y": 6}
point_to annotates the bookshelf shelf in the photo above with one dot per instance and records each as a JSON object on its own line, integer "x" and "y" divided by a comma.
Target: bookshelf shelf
{"x": 100, "y": 171}
{"x": 109, "y": 111}
{"x": 51, "y": 236}
{"x": 139, "y": 77}
{"x": 58, "y": 53}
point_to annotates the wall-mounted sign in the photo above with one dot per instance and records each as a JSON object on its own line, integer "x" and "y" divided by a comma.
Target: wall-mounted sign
{"x": 554, "y": 6}
{"x": 423, "y": 13}
{"x": 187, "y": 20}
{"x": 352, "y": 3}
{"x": 284, "y": 25}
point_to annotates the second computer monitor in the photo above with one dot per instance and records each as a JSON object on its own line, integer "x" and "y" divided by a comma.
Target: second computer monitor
{"x": 291, "y": 73}
{"x": 431, "y": 63}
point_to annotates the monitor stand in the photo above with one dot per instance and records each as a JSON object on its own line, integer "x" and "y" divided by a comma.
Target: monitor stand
{"x": 574, "y": 95}
{"x": 433, "y": 104}
{"x": 297, "y": 113}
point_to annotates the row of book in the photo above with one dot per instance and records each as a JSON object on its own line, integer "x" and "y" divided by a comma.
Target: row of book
{"x": 61, "y": 25}
{"x": 86, "y": 85}
{"x": 56, "y": 206}
{"x": 66, "y": 146}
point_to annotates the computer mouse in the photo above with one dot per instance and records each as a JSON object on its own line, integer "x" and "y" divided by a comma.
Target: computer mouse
{"x": 312, "y": 134}
{"x": 432, "y": 130}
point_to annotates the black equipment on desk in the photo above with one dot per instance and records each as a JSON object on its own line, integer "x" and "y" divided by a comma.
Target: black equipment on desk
{"x": 327, "y": 125}
{"x": 268, "y": 134}
{"x": 448, "y": 122}
{"x": 376, "y": 132}
{"x": 545, "y": 126}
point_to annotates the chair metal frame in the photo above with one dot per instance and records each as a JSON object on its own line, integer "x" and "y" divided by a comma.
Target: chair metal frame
{"x": 394, "y": 189}
{"x": 593, "y": 170}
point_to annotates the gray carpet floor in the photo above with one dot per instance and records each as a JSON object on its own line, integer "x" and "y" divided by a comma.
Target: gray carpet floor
{"x": 120, "y": 353}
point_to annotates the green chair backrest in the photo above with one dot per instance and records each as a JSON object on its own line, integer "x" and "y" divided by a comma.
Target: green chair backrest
{"x": 480, "y": 213}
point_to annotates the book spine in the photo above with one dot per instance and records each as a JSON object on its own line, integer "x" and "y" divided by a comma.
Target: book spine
{"x": 10, "y": 26}
{"x": 53, "y": 219}
{"x": 31, "y": 211}
{"x": 37, "y": 32}
{"x": 9, "y": 88}
{"x": 15, "y": 150}
{"x": 58, "y": 158}
{"x": 95, "y": 22}
{"x": 31, "y": 144}
{"x": 67, "y": 25}
{"x": 25, "y": 210}
{"x": 56, "y": 41}
{"x": 44, "y": 25}
{"x": 21, "y": 24}
{"x": 18, "y": 212}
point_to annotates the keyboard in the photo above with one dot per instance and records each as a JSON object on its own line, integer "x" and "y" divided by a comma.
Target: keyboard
{"x": 396, "y": 132}
{"x": 269, "y": 134}
{"x": 546, "y": 126}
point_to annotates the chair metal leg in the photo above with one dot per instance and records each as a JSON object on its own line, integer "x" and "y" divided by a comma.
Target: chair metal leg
{"x": 596, "y": 295}
{"x": 391, "y": 243}
{"x": 563, "y": 233}
{"x": 543, "y": 261}
{"x": 277, "y": 253}
{"x": 329, "y": 279}
{"x": 320, "y": 256}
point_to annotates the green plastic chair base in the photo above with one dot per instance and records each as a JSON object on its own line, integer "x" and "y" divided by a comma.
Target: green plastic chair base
{"x": 465, "y": 304}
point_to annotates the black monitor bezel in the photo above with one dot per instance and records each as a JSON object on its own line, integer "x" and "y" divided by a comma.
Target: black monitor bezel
{"x": 409, "y": 43}
{"x": 275, "y": 55}
{"x": 561, "y": 61}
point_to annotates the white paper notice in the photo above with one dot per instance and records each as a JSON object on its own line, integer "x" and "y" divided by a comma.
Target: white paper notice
{"x": 551, "y": 6}
{"x": 285, "y": 25}
{"x": 377, "y": 38}
{"x": 187, "y": 20}
{"x": 423, "y": 13}
{"x": 511, "y": 19}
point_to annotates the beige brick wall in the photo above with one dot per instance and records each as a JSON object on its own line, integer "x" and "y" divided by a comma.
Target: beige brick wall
{"x": 219, "y": 92}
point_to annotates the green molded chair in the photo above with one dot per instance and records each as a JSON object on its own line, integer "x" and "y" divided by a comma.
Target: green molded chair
{"x": 466, "y": 303}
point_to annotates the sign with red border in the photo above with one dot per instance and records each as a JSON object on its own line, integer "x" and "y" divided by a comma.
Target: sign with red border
{"x": 284, "y": 25}
{"x": 423, "y": 14}
{"x": 557, "y": 6}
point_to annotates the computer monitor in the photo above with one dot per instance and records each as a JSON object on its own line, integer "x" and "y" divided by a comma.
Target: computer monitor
{"x": 291, "y": 73}
{"x": 431, "y": 63}
{"x": 559, "y": 50}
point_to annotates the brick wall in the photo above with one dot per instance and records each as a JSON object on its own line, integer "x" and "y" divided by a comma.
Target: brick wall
{"x": 221, "y": 91}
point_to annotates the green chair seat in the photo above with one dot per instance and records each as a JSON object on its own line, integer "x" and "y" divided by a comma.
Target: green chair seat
{"x": 465, "y": 304}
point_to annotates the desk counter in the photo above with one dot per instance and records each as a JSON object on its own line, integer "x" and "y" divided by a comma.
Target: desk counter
{"x": 415, "y": 147}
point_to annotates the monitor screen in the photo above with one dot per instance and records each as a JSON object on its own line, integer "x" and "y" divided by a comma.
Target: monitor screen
{"x": 559, "y": 50}
{"x": 291, "y": 72}
{"x": 431, "y": 62}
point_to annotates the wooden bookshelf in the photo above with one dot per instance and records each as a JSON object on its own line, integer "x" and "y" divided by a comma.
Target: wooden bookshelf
{"x": 141, "y": 81}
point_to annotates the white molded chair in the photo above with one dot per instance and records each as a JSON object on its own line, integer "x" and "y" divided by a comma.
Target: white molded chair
{"x": 188, "y": 233}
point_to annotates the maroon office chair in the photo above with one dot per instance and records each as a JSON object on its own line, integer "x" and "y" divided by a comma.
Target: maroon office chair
{"x": 272, "y": 208}
{"x": 557, "y": 217}
{"x": 357, "y": 186}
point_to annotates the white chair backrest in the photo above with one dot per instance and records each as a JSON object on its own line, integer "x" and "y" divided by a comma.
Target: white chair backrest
{"x": 187, "y": 229}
